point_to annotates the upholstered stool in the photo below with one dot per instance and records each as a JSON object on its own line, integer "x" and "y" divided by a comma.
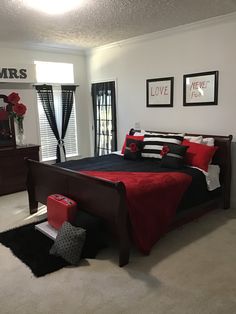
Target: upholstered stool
{"x": 60, "y": 209}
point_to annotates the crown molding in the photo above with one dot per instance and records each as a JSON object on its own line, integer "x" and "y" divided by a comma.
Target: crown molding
{"x": 167, "y": 32}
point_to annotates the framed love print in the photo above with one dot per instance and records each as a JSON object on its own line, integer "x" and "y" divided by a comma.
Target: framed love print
{"x": 159, "y": 92}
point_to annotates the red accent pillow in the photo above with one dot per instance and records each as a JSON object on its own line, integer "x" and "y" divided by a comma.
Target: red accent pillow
{"x": 199, "y": 155}
{"x": 134, "y": 137}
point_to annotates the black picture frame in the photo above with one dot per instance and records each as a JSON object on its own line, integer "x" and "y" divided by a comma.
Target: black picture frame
{"x": 7, "y": 130}
{"x": 159, "y": 92}
{"x": 200, "y": 89}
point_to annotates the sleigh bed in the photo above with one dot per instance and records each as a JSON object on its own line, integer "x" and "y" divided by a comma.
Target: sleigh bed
{"x": 107, "y": 198}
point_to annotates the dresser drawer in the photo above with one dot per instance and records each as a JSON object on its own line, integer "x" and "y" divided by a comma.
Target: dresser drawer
{"x": 13, "y": 171}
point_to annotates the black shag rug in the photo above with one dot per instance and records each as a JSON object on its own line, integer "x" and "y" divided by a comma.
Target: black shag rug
{"x": 32, "y": 248}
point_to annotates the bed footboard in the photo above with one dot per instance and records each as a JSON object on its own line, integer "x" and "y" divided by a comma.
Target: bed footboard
{"x": 97, "y": 196}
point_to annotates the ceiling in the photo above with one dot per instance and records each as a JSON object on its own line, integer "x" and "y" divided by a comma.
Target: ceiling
{"x": 101, "y": 22}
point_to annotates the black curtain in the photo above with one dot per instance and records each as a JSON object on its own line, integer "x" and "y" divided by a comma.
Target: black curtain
{"x": 45, "y": 94}
{"x": 67, "y": 96}
{"x": 101, "y": 108}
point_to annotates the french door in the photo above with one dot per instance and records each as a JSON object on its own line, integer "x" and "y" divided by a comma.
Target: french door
{"x": 104, "y": 112}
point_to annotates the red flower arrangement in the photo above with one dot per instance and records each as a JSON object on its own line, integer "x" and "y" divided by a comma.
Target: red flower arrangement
{"x": 18, "y": 110}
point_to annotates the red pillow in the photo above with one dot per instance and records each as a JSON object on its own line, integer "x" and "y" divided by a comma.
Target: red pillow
{"x": 199, "y": 155}
{"x": 134, "y": 137}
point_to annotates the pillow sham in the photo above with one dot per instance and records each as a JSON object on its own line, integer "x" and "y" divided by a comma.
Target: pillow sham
{"x": 194, "y": 139}
{"x": 153, "y": 144}
{"x": 209, "y": 141}
{"x": 133, "y": 149}
{"x": 133, "y": 137}
{"x": 173, "y": 156}
{"x": 199, "y": 155}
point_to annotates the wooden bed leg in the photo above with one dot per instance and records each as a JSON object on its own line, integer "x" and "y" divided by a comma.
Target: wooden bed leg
{"x": 123, "y": 229}
{"x": 226, "y": 199}
{"x": 124, "y": 243}
{"x": 124, "y": 256}
{"x": 33, "y": 207}
{"x": 33, "y": 204}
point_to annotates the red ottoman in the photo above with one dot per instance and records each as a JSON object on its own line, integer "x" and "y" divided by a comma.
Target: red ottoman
{"x": 60, "y": 209}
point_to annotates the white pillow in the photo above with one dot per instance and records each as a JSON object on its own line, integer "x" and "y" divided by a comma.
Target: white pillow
{"x": 209, "y": 141}
{"x": 142, "y": 132}
{"x": 194, "y": 139}
{"x": 213, "y": 177}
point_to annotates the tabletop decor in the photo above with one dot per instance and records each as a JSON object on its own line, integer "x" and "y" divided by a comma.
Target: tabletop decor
{"x": 18, "y": 112}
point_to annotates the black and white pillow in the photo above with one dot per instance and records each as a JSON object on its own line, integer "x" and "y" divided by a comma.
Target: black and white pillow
{"x": 69, "y": 243}
{"x": 153, "y": 144}
{"x": 173, "y": 156}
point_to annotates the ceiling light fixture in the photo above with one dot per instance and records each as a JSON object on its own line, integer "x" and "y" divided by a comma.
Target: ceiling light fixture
{"x": 53, "y": 7}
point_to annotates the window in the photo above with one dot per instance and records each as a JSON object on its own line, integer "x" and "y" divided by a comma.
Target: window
{"x": 56, "y": 73}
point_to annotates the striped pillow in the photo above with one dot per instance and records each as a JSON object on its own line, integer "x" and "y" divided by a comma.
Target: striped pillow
{"x": 153, "y": 144}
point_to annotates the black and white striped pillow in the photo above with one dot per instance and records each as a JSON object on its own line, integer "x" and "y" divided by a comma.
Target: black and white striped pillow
{"x": 153, "y": 144}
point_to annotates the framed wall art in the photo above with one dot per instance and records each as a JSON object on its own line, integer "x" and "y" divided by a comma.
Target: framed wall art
{"x": 159, "y": 92}
{"x": 200, "y": 89}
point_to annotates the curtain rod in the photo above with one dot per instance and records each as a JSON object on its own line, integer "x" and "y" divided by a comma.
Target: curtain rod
{"x": 65, "y": 84}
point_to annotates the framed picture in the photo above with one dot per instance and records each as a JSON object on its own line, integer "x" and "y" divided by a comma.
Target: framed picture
{"x": 200, "y": 89}
{"x": 159, "y": 92}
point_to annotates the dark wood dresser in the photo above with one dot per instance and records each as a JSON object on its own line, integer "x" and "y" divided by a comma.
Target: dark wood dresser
{"x": 13, "y": 170}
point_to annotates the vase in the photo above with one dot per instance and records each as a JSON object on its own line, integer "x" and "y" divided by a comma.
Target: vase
{"x": 20, "y": 137}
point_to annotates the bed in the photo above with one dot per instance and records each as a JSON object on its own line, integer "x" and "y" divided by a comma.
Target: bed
{"x": 108, "y": 198}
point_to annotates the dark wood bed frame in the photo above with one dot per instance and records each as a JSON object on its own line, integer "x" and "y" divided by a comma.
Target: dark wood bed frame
{"x": 108, "y": 199}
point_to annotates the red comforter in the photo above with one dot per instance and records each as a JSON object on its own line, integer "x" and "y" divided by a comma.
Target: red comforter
{"x": 152, "y": 201}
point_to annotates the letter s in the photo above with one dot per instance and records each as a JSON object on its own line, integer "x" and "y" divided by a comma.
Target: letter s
{"x": 23, "y": 73}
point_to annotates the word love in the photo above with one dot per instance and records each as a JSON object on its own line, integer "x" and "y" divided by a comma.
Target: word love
{"x": 159, "y": 90}
{"x": 197, "y": 88}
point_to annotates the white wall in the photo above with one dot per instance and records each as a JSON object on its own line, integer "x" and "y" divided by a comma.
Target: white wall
{"x": 15, "y": 56}
{"x": 212, "y": 47}
{"x": 203, "y": 47}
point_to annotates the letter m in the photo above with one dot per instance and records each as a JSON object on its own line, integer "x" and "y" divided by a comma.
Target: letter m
{"x": 3, "y": 73}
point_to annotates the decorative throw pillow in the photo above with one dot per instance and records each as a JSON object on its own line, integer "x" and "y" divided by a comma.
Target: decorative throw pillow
{"x": 140, "y": 138}
{"x": 199, "y": 155}
{"x": 69, "y": 243}
{"x": 173, "y": 156}
{"x": 153, "y": 144}
{"x": 133, "y": 149}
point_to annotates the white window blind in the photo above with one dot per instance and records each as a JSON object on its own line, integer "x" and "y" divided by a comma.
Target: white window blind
{"x": 46, "y": 73}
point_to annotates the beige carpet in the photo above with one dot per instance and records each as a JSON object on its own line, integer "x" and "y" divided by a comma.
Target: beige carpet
{"x": 191, "y": 270}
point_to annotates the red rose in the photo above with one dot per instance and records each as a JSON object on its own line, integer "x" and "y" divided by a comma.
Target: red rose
{"x": 13, "y": 98}
{"x": 165, "y": 150}
{"x": 3, "y": 115}
{"x": 19, "y": 109}
{"x": 133, "y": 147}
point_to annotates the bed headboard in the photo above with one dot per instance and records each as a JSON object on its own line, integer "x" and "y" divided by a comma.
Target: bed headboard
{"x": 222, "y": 158}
